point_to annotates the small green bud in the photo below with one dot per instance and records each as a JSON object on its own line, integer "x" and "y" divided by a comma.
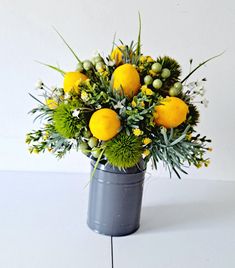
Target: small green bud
{"x": 157, "y": 83}
{"x": 92, "y": 142}
{"x": 87, "y": 65}
{"x": 156, "y": 67}
{"x": 165, "y": 73}
{"x": 148, "y": 80}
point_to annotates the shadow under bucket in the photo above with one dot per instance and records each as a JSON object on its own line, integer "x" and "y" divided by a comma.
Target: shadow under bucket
{"x": 115, "y": 199}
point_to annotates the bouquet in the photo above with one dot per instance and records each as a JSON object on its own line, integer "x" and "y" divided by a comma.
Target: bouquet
{"x": 123, "y": 108}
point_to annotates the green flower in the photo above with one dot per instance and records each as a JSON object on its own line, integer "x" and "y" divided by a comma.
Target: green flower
{"x": 124, "y": 151}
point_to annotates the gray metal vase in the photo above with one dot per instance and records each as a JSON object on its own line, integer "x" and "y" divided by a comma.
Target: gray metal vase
{"x": 115, "y": 199}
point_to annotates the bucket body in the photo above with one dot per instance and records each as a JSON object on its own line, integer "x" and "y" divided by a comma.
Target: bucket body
{"x": 115, "y": 200}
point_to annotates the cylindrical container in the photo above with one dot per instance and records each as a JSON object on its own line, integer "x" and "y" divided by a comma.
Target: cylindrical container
{"x": 115, "y": 199}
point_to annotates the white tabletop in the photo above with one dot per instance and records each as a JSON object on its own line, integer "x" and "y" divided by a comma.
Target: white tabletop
{"x": 187, "y": 223}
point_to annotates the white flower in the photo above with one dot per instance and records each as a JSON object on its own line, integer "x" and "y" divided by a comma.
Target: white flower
{"x": 76, "y": 113}
{"x": 39, "y": 84}
{"x": 66, "y": 96}
{"x": 120, "y": 104}
{"x": 111, "y": 63}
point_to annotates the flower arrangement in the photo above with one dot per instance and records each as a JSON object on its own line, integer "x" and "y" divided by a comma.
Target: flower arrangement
{"x": 123, "y": 108}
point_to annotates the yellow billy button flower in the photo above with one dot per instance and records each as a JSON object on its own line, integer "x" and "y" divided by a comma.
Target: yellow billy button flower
{"x": 133, "y": 104}
{"x": 137, "y": 132}
{"x": 146, "y": 152}
{"x": 147, "y": 141}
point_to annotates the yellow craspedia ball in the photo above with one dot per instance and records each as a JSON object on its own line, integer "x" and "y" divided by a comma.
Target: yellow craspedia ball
{"x": 116, "y": 54}
{"x": 104, "y": 124}
{"x": 126, "y": 78}
{"x": 72, "y": 80}
{"x": 171, "y": 112}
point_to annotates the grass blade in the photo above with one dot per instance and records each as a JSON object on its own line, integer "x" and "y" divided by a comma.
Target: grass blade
{"x": 52, "y": 67}
{"x": 68, "y": 46}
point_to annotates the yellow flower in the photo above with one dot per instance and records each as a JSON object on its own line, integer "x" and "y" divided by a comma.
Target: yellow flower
{"x": 143, "y": 89}
{"x": 206, "y": 163}
{"x": 189, "y": 137}
{"x": 149, "y": 59}
{"x": 141, "y": 68}
{"x": 137, "y": 132}
{"x": 146, "y": 141}
{"x": 52, "y": 104}
{"x": 210, "y": 149}
{"x": 148, "y": 92}
{"x": 152, "y": 73}
{"x": 84, "y": 96}
{"x": 142, "y": 104}
{"x": 133, "y": 104}
{"x": 146, "y": 152}
{"x": 46, "y": 136}
{"x": 143, "y": 58}
{"x": 35, "y": 151}
{"x": 27, "y": 139}
{"x": 199, "y": 165}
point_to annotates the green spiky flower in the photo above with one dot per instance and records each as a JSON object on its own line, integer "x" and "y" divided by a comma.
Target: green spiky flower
{"x": 193, "y": 117}
{"x": 174, "y": 68}
{"x": 124, "y": 151}
{"x": 66, "y": 124}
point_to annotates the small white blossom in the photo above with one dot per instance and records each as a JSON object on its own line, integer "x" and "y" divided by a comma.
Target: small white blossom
{"x": 120, "y": 104}
{"x": 76, "y": 113}
{"x": 111, "y": 63}
{"x": 39, "y": 84}
{"x": 66, "y": 96}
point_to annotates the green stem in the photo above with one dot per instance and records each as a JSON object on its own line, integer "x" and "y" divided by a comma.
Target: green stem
{"x": 201, "y": 64}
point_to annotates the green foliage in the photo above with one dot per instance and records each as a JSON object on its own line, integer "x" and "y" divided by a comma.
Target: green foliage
{"x": 124, "y": 150}
{"x": 67, "y": 125}
{"x": 193, "y": 116}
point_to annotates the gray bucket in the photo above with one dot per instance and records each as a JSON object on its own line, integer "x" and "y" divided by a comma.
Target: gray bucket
{"x": 115, "y": 200}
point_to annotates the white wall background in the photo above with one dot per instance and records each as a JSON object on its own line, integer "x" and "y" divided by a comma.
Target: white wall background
{"x": 183, "y": 29}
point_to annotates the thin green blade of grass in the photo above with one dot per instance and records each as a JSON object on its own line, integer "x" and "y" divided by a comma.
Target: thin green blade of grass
{"x": 68, "y": 46}
{"x": 201, "y": 64}
{"x": 52, "y": 67}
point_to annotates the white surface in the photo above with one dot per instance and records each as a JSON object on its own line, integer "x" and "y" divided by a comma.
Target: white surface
{"x": 183, "y": 29}
{"x": 188, "y": 223}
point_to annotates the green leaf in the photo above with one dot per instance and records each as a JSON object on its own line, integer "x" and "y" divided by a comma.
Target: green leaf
{"x": 139, "y": 38}
{"x": 52, "y": 67}
{"x": 75, "y": 55}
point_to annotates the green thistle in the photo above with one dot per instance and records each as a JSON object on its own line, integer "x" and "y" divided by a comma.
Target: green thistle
{"x": 124, "y": 151}
{"x": 66, "y": 124}
{"x": 174, "y": 68}
{"x": 193, "y": 116}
